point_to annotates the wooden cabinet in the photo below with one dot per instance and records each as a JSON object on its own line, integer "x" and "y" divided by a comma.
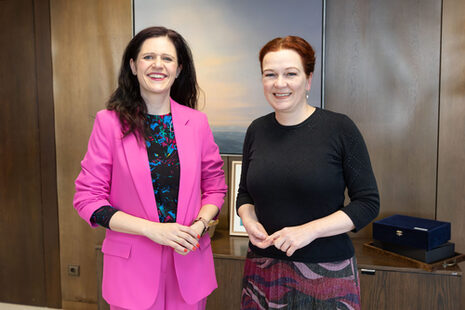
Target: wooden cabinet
{"x": 229, "y": 276}
{"x": 398, "y": 289}
{"x": 229, "y": 255}
{"x": 386, "y": 282}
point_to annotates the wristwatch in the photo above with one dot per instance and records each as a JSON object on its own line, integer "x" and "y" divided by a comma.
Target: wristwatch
{"x": 204, "y": 222}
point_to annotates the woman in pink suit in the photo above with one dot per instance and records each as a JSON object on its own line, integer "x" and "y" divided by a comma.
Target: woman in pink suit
{"x": 152, "y": 175}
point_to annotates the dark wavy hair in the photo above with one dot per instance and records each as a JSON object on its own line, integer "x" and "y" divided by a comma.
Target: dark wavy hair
{"x": 127, "y": 101}
{"x": 295, "y": 43}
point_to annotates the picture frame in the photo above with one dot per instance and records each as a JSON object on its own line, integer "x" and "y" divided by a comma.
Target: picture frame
{"x": 235, "y": 223}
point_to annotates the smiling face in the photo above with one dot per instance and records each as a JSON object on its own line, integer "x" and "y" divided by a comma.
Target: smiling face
{"x": 156, "y": 66}
{"x": 284, "y": 81}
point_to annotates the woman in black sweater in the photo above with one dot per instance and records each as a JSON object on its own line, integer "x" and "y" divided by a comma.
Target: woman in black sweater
{"x": 297, "y": 163}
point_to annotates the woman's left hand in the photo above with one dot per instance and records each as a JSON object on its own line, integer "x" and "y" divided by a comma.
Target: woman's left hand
{"x": 198, "y": 228}
{"x": 290, "y": 239}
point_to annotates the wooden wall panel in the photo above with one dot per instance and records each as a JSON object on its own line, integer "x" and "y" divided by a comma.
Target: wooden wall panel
{"x": 88, "y": 40}
{"x": 451, "y": 167}
{"x": 45, "y": 105}
{"x": 21, "y": 240}
{"x": 382, "y": 70}
{"x": 29, "y": 259}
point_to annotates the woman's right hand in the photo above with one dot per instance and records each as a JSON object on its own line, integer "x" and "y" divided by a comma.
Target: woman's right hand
{"x": 257, "y": 234}
{"x": 255, "y": 230}
{"x": 182, "y": 239}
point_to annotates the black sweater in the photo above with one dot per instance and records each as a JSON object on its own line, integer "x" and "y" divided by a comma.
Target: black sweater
{"x": 296, "y": 174}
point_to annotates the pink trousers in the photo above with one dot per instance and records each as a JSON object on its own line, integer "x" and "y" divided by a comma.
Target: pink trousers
{"x": 169, "y": 297}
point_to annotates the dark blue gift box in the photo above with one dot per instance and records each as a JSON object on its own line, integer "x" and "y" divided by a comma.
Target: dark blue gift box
{"x": 412, "y": 231}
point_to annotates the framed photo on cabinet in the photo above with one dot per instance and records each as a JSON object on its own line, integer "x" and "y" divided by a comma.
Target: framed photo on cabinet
{"x": 235, "y": 223}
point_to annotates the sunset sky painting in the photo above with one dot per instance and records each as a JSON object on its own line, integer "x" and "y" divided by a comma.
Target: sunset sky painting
{"x": 225, "y": 37}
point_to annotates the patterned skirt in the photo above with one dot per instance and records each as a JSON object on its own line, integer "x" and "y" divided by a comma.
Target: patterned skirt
{"x": 271, "y": 283}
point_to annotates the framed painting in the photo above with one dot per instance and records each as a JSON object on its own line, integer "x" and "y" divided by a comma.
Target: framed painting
{"x": 225, "y": 38}
{"x": 235, "y": 223}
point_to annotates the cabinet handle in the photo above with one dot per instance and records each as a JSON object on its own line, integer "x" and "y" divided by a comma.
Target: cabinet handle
{"x": 370, "y": 272}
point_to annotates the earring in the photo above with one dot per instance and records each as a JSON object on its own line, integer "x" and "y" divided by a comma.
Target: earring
{"x": 306, "y": 95}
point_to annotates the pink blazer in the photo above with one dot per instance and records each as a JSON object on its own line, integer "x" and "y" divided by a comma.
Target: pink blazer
{"x": 115, "y": 171}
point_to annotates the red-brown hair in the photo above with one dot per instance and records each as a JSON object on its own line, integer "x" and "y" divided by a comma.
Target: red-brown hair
{"x": 297, "y": 44}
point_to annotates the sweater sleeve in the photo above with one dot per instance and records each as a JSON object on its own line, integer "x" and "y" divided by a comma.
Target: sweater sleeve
{"x": 359, "y": 178}
{"x": 243, "y": 196}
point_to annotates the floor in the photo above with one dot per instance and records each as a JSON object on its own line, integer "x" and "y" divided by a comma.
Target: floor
{"x": 4, "y": 306}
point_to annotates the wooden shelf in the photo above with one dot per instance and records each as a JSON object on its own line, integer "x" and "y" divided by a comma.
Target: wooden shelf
{"x": 226, "y": 246}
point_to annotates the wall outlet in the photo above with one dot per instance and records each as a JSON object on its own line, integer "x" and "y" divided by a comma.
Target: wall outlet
{"x": 73, "y": 270}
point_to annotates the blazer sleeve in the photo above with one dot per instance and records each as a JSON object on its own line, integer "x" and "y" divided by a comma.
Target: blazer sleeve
{"x": 93, "y": 182}
{"x": 213, "y": 184}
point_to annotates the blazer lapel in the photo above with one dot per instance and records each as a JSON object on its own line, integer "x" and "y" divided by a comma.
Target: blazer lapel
{"x": 137, "y": 160}
{"x": 184, "y": 142}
